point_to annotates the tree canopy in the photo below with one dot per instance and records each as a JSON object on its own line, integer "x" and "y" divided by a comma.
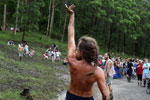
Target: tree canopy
{"x": 121, "y": 26}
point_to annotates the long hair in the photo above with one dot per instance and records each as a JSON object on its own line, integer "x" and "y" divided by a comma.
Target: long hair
{"x": 89, "y": 48}
{"x": 109, "y": 55}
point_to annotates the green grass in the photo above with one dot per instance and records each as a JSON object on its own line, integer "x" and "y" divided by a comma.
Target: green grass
{"x": 41, "y": 76}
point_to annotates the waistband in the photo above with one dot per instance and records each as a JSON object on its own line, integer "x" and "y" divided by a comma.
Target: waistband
{"x": 70, "y": 96}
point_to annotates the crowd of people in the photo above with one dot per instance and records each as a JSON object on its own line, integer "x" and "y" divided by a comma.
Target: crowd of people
{"x": 23, "y": 50}
{"x": 52, "y": 53}
{"x": 130, "y": 68}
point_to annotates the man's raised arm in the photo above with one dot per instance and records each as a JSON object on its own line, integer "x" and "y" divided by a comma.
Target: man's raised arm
{"x": 71, "y": 31}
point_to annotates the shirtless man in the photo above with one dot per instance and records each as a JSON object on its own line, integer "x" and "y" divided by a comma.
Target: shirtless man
{"x": 83, "y": 65}
{"x": 20, "y": 49}
{"x": 109, "y": 72}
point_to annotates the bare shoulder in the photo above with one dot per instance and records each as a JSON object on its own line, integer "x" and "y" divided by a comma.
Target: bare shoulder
{"x": 110, "y": 62}
{"x": 74, "y": 63}
{"x": 99, "y": 73}
{"x": 72, "y": 58}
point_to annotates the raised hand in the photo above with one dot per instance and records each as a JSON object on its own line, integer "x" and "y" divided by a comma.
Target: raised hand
{"x": 70, "y": 8}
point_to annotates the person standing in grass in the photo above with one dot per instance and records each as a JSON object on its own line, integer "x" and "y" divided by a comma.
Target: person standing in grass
{"x": 83, "y": 65}
{"x": 21, "y": 50}
{"x": 26, "y": 48}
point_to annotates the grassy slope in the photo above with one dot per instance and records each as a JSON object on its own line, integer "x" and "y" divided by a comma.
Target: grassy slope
{"x": 41, "y": 76}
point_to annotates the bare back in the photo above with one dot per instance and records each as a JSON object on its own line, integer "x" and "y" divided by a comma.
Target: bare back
{"x": 81, "y": 83}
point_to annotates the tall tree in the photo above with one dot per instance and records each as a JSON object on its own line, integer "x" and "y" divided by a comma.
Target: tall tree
{"x": 64, "y": 28}
{"x": 48, "y": 24}
{"x": 4, "y": 17}
{"x": 30, "y": 14}
{"x": 118, "y": 25}
{"x": 52, "y": 18}
{"x": 16, "y": 24}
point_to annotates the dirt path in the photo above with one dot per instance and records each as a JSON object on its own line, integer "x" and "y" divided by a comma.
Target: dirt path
{"x": 122, "y": 91}
{"x": 125, "y": 91}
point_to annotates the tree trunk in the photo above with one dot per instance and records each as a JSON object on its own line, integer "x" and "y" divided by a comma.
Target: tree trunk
{"x": 110, "y": 38}
{"x": 104, "y": 34}
{"x": 118, "y": 49}
{"x": 145, "y": 44}
{"x": 145, "y": 47}
{"x": 62, "y": 13}
{"x": 4, "y": 17}
{"x": 23, "y": 35}
{"x": 47, "y": 32}
{"x": 135, "y": 48}
{"x": 24, "y": 29}
{"x": 64, "y": 28}
{"x": 60, "y": 20}
{"x": 21, "y": 27}
{"x": 124, "y": 41}
{"x": 17, "y": 18}
{"x": 52, "y": 18}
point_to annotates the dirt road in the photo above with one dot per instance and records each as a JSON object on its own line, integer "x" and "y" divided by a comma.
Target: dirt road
{"x": 122, "y": 91}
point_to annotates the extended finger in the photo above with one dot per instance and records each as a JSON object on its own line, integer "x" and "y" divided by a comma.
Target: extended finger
{"x": 72, "y": 6}
{"x": 66, "y": 6}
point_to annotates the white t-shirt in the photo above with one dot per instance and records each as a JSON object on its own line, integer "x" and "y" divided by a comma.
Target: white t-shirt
{"x": 26, "y": 47}
{"x": 57, "y": 54}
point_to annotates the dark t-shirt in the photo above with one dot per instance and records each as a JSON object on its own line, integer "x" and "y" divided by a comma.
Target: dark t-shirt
{"x": 129, "y": 72}
{"x": 130, "y": 65}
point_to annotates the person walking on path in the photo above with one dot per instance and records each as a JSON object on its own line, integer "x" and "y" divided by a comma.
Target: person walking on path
{"x": 146, "y": 74}
{"x": 130, "y": 70}
{"x": 83, "y": 65}
{"x": 139, "y": 72}
{"x": 109, "y": 72}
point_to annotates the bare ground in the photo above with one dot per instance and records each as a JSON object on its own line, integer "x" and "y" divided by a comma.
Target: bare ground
{"x": 122, "y": 90}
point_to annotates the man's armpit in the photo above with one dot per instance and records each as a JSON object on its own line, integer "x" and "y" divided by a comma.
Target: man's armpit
{"x": 72, "y": 60}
